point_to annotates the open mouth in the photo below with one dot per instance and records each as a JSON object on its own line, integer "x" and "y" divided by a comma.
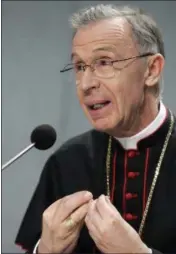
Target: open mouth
{"x": 99, "y": 105}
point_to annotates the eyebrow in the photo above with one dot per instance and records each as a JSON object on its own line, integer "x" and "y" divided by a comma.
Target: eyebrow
{"x": 106, "y": 48}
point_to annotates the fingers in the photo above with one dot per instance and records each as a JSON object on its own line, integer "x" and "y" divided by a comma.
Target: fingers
{"x": 71, "y": 203}
{"x": 79, "y": 215}
{"x": 101, "y": 211}
{"x": 114, "y": 211}
{"x": 62, "y": 208}
{"x": 104, "y": 207}
{"x": 93, "y": 230}
{"x": 57, "y": 232}
{"x": 75, "y": 221}
{"x": 56, "y": 213}
{"x": 93, "y": 213}
{"x": 93, "y": 219}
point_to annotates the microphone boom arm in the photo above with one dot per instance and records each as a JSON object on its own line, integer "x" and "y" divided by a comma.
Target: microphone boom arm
{"x": 17, "y": 156}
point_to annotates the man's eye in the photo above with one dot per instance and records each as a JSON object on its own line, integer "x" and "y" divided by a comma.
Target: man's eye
{"x": 104, "y": 62}
{"x": 79, "y": 67}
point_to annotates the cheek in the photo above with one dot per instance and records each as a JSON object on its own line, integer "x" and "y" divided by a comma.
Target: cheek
{"x": 131, "y": 87}
{"x": 126, "y": 93}
{"x": 80, "y": 97}
{"x": 119, "y": 92}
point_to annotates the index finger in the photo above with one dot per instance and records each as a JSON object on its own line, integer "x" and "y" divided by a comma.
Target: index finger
{"x": 104, "y": 208}
{"x": 70, "y": 203}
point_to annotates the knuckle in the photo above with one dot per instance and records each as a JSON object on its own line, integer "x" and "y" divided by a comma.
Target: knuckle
{"x": 51, "y": 226}
{"x": 45, "y": 215}
{"x": 65, "y": 204}
{"x": 99, "y": 202}
{"x": 113, "y": 222}
{"x": 64, "y": 199}
{"x": 82, "y": 210}
{"x": 52, "y": 229}
{"x": 61, "y": 236}
{"x": 48, "y": 221}
{"x": 103, "y": 233}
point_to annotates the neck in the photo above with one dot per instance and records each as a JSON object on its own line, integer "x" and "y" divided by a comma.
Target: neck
{"x": 140, "y": 118}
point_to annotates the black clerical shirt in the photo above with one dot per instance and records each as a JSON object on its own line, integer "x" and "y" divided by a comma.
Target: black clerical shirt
{"x": 80, "y": 164}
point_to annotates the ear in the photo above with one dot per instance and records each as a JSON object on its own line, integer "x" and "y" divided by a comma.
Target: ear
{"x": 154, "y": 70}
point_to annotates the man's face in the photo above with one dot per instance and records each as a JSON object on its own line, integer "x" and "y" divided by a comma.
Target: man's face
{"x": 122, "y": 94}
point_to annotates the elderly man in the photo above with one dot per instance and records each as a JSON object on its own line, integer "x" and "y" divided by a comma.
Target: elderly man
{"x": 111, "y": 189}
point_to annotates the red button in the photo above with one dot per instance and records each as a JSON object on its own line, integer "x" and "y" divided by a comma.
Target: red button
{"x": 130, "y": 216}
{"x": 130, "y": 196}
{"x": 133, "y": 174}
{"x": 131, "y": 154}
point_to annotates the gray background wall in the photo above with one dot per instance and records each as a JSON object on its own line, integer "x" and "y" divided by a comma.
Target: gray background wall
{"x": 36, "y": 41}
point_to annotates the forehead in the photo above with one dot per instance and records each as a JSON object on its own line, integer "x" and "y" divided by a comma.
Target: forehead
{"x": 112, "y": 35}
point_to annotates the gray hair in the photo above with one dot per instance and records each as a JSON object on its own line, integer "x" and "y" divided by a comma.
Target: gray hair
{"x": 144, "y": 29}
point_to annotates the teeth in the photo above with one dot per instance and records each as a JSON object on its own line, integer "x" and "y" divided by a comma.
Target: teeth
{"x": 96, "y": 106}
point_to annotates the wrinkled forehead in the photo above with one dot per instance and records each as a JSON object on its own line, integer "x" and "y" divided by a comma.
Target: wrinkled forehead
{"x": 112, "y": 34}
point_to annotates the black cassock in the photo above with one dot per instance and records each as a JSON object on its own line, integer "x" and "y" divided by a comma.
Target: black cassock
{"x": 80, "y": 164}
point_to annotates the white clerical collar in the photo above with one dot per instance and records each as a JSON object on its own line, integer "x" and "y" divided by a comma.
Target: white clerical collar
{"x": 131, "y": 142}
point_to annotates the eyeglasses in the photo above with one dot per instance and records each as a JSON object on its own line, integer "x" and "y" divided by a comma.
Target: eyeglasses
{"x": 103, "y": 68}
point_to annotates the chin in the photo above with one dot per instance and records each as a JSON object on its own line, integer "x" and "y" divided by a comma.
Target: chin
{"x": 103, "y": 125}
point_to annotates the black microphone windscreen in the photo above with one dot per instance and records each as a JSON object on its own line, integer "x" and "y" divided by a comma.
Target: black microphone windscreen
{"x": 44, "y": 136}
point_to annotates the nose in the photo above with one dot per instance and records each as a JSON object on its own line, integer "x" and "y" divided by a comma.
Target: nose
{"x": 88, "y": 81}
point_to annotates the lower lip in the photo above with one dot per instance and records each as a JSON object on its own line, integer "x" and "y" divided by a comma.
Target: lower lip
{"x": 99, "y": 112}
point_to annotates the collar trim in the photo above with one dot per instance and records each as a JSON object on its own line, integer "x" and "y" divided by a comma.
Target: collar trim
{"x": 131, "y": 143}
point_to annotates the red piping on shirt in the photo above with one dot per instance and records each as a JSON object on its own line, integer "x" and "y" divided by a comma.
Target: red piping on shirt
{"x": 125, "y": 182}
{"x": 145, "y": 178}
{"x": 113, "y": 177}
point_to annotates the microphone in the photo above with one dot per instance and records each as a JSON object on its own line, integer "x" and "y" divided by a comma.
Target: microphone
{"x": 42, "y": 138}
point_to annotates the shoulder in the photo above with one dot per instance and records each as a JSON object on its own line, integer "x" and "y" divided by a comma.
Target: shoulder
{"x": 85, "y": 146}
{"x": 78, "y": 160}
{"x": 88, "y": 141}
{"x": 75, "y": 155}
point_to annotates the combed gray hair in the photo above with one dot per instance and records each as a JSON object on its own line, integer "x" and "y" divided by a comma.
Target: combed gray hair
{"x": 144, "y": 29}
